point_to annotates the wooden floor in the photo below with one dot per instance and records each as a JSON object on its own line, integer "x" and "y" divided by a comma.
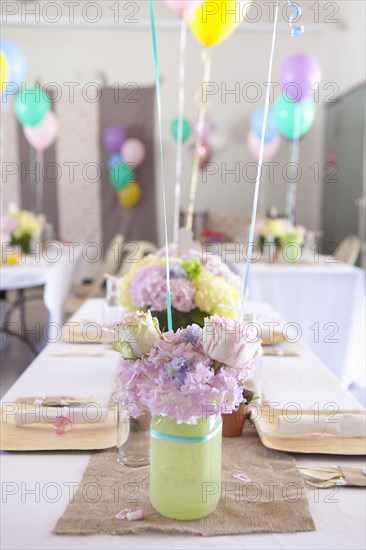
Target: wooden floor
{"x": 16, "y": 356}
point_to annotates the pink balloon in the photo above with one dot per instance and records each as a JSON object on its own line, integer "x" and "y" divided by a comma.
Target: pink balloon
{"x": 44, "y": 134}
{"x": 133, "y": 151}
{"x": 270, "y": 149}
{"x": 205, "y": 153}
{"x": 181, "y": 6}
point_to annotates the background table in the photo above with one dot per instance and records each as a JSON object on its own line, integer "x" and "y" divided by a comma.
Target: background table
{"x": 54, "y": 274}
{"x": 27, "y": 519}
{"x": 327, "y": 300}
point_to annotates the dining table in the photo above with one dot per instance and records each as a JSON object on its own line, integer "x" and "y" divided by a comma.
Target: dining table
{"x": 51, "y": 267}
{"x": 37, "y": 486}
{"x": 324, "y": 302}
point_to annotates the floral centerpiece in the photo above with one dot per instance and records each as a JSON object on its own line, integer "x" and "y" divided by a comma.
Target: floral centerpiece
{"x": 280, "y": 232}
{"x": 185, "y": 380}
{"x": 20, "y": 227}
{"x": 199, "y": 288}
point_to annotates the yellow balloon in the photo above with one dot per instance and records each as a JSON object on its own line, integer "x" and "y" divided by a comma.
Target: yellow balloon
{"x": 129, "y": 196}
{"x": 215, "y": 20}
{"x": 4, "y": 71}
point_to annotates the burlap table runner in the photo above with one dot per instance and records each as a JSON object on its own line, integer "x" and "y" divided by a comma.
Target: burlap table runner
{"x": 274, "y": 499}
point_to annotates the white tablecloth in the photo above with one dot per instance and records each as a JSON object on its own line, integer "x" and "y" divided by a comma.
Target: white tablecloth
{"x": 327, "y": 302}
{"x": 28, "y": 519}
{"x": 54, "y": 273}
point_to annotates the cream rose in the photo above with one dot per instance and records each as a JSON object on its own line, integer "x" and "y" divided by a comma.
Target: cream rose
{"x": 136, "y": 335}
{"x": 227, "y": 341}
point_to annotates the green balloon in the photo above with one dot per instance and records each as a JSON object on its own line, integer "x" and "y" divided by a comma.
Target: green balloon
{"x": 31, "y": 106}
{"x": 121, "y": 175}
{"x": 187, "y": 129}
{"x": 294, "y": 119}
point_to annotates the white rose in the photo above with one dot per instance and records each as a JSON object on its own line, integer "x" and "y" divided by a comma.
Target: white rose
{"x": 136, "y": 335}
{"x": 225, "y": 341}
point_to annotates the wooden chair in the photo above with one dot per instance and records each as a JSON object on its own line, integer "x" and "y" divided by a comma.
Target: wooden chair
{"x": 349, "y": 250}
{"x": 111, "y": 264}
{"x": 134, "y": 252}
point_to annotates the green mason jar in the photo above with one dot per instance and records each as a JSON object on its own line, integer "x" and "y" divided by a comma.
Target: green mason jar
{"x": 185, "y": 467}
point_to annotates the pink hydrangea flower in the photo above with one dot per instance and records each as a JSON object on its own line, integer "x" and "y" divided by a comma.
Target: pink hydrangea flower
{"x": 182, "y": 293}
{"x": 148, "y": 287}
{"x": 179, "y": 380}
{"x": 219, "y": 269}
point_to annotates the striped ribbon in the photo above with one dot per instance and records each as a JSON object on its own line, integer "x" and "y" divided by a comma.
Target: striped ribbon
{"x": 201, "y": 124}
{"x": 158, "y": 100}
{"x": 171, "y": 438}
{"x": 259, "y": 172}
{"x": 178, "y": 167}
{"x": 294, "y": 159}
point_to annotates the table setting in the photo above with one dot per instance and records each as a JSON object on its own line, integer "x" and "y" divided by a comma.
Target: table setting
{"x": 198, "y": 403}
{"x": 239, "y": 483}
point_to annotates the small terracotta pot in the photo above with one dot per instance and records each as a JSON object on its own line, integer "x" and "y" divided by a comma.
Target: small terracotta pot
{"x": 233, "y": 423}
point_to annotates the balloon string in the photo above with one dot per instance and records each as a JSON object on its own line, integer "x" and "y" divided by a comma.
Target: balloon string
{"x": 259, "y": 172}
{"x": 158, "y": 101}
{"x": 40, "y": 184}
{"x": 294, "y": 159}
{"x": 33, "y": 177}
{"x": 3, "y": 108}
{"x": 178, "y": 167}
{"x": 200, "y": 128}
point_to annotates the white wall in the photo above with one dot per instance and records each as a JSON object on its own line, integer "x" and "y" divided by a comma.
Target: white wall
{"x": 126, "y": 56}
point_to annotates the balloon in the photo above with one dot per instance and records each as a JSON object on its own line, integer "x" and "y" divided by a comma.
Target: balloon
{"x": 187, "y": 129}
{"x": 31, "y": 106}
{"x": 181, "y": 6}
{"x": 4, "y": 71}
{"x": 113, "y": 138}
{"x": 44, "y": 134}
{"x": 121, "y": 175}
{"x": 294, "y": 119}
{"x": 216, "y": 20}
{"x": 133, "y": 151}
{"x": 130, "y": 196}
{"x": 270, "y": 149}
{"x": 17, "y": 65}
{"x": 205, "y": 153}
{"x": 256, "y": 122}
{"x": 303, "y": 71}
{"x": 114, "y": 160}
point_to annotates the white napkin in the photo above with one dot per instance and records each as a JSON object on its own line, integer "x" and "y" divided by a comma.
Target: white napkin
{"x": 342, "y": 425}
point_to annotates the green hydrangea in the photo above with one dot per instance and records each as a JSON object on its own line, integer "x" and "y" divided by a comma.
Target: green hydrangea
{"x": 193, "y": 268}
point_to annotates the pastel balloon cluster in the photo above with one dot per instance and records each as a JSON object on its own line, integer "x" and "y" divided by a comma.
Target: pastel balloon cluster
{"x": 211, "y": 22}
{"x": 294, "y": 111}
{"x": 32, "y": 105}
{"x": 13, "y": 68}
{"x": 272, "y": 138}
{"x": 40, "y": 123}
{"x": 127, "y": 154}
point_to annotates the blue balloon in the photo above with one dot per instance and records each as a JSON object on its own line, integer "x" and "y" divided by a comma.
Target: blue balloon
{"x": 114, "y": 160}
{"x": 18, "y": 66}
{"x": 256, "y": 122}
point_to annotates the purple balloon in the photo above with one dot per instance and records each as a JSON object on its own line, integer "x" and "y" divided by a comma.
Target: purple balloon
{"x": 299, "y": 73}
{"x": 113, "y": 138}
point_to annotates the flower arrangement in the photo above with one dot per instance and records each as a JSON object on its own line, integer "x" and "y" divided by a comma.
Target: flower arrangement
{"x": 185, "y": 375}
{"x": 19, "y": 227}
{"x": 281, "y": 231}
{"x": 198, "y": 288}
